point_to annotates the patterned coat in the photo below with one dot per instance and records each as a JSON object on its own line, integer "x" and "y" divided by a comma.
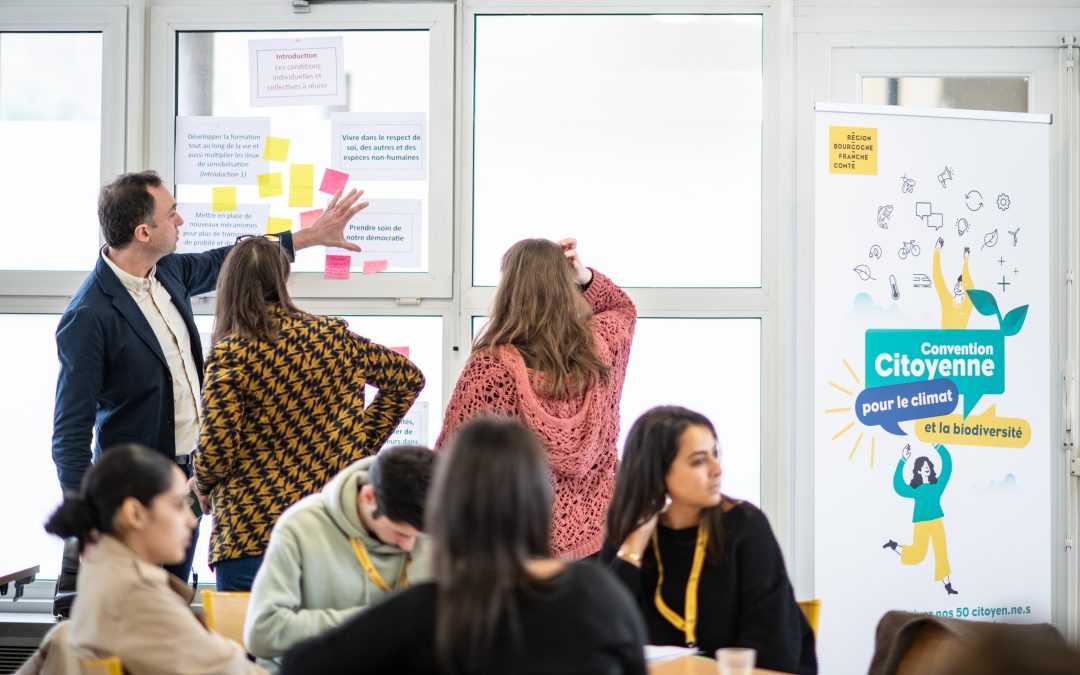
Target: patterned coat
{"x": 281, "y": 419}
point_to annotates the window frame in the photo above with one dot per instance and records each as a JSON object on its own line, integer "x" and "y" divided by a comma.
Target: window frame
{"x": 166, "y": 21}
{"x": 112, "y": 23}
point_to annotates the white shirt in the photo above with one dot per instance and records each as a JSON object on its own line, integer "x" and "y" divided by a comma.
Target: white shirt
{"x": 168, "y": 325}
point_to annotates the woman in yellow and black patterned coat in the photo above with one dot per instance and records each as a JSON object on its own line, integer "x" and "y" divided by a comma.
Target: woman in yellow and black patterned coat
{"x": 283, "y": 406}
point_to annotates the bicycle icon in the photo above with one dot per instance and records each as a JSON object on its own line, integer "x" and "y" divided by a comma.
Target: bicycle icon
{"x": 909, "y": 248}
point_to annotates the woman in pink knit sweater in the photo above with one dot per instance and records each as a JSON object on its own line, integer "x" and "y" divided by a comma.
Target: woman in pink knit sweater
{"x": 554, "y": 355}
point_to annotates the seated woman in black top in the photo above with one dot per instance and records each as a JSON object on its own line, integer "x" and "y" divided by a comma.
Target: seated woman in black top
{"x": 706, "y": 571}
{"x": 499, "y": 601}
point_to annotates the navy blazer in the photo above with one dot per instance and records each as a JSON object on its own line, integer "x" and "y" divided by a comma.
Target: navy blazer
{"x": 114, "y": 379}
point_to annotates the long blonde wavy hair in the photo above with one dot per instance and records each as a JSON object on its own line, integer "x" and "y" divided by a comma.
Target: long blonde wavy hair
{"x": 538, "y": 309}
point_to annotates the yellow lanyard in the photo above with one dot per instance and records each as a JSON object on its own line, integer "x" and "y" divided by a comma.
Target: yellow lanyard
{"x": 688, "y": 625}
{"x": 365, "y": 562}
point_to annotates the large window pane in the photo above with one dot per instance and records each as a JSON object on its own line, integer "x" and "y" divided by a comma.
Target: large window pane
{"x": 50, "y": 137}
{"x": 719, "y": 376}
{"x": 640, "y": 135}
{"x": 386, "y": 72}
{"x": 31, "y": 489}
{"x": 712, "y": 366}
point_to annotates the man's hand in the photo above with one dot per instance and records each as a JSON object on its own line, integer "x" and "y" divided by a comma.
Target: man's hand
{"x": 205, "y": 503}
{"x": 329, "y": 229}
{"x": 582, "y": 274}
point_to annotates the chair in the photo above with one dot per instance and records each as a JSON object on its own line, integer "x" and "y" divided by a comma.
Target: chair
{"x": 811, "y": 609}
{"x": 107, "y": 666}
{"x": 226, "y": 612}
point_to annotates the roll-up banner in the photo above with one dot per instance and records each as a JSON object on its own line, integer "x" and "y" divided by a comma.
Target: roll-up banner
{"x": 932, "y": 370}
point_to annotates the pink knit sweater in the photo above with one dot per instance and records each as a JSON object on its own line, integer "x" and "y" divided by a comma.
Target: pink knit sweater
{"x": 580, "y": 433}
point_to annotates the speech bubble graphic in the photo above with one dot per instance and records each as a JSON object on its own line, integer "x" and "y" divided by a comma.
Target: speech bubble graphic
{"x": 973, "y": 359}
{"x": 986, "y": 429}
{"x": 889, "y": 405}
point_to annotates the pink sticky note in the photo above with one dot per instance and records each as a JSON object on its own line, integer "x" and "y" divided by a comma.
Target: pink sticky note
{"x": 332, "y": 181}
{"x": 373, "y": 266}
{"x": 404, "y": 351}
{"x": 337, "y": 267}
{"x": 308, "y": 218}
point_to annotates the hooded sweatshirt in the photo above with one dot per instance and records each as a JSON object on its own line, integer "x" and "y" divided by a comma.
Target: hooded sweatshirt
{"x": 311, "y": 579}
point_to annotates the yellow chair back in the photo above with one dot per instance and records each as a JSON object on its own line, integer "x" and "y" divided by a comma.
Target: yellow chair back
{"x": 811, "y": 609}
{"x": 109, "y": 666}
{"x": 226, "y": 612}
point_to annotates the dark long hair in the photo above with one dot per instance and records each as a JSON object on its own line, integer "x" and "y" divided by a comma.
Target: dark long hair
{"x": 128, "y": 470}
{"x": 253, "y": 279}
{"x": 538, "y": 308}
{"x": 489, "y": 512}
{"x": 640, "y": 488}
{"x": 916, "y": 479}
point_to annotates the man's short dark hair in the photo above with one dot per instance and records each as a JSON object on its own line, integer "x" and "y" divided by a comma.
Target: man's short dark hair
{"x": 400, "y": 477}
{"x": 126, "y": 203}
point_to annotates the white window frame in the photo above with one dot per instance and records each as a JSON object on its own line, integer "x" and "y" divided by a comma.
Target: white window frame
{"x": 768, "y": 303}
{"x": 112, "y": 23}
{"x": 438, "y": 19}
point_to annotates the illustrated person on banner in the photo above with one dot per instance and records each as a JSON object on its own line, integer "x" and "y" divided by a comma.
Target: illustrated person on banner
{"x": 926, "y": 488}
{"x": 955, "y": 304}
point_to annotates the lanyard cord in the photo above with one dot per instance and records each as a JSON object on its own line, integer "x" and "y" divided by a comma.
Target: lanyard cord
{"x": 688, "y": 625}
{"x": 376, "y": 578}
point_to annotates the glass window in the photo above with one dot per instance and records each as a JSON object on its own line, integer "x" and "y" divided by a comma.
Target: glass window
{"x": 1004, "y": 94}
{"x": 31, "y": 489}
{"x": 645, "y": 130}
{"x": 50, "y": 127}
{"x": 212, "y": 80}
{"x": 723, "y": 382}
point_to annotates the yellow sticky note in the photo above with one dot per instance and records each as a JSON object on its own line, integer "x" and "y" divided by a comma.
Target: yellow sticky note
{"x": 278, "y": 225}
{"x": 853, "y": 150}
{"x": 224, "y": 199}
{"x": 301, "y": 184}
{"x": 277, "y": 149}
{"x": 269, "y": 184}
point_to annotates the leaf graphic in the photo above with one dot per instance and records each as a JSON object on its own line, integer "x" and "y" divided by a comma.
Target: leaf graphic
{"x": 990, "y": 239}
{"x": 1014, "y": 321}
{"x": 863, "y": 271}
{"x": 984, "y": 302}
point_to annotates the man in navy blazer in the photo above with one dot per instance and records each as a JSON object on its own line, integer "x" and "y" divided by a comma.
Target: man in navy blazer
{"x": 116, "y": 379}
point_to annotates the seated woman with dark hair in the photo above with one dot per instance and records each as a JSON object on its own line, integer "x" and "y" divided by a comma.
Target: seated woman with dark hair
{"x": 706, "y": 570}
{"x": 499, "y": 601}
{"x": 131, "y": 516}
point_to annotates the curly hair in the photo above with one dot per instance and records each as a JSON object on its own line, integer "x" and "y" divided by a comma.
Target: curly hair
{"x": 916, "y": 480}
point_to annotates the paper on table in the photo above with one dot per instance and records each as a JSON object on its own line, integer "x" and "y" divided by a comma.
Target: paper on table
{"x": 656, "y": 653}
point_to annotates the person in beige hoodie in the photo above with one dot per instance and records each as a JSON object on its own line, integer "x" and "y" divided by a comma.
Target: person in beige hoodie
{"x": 131, "y": 516}
{"x": 336, "y": 552}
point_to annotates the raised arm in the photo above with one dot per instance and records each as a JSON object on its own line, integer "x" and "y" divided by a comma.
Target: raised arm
{"x": 398, "y": 380}
{"x": 80, "y": 345}
{"x": 223, "y": 410}
{"x": 901, "y": 486}
{"x": 946, "y": 466}
{"x": 276, "y": 618}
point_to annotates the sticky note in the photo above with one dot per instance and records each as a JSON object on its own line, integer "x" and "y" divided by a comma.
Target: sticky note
{"x": 269, "y": 184}
{"x": 373, "y": 266}
{"x": 332, "y": 181}
{"x": 853, "y": 150}
{"x": 404, "y": 351}
{"x": 224, "y": 199}
{"x": 276, "y": 150}
{"x": 278, "y": 225}
{"x": 301, "y": 184}
{"x": 308, "y": 218}
{"x": 337, "y": 266}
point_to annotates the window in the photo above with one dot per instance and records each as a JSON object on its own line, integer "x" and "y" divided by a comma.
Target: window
{"x": 1004, "y": 94}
